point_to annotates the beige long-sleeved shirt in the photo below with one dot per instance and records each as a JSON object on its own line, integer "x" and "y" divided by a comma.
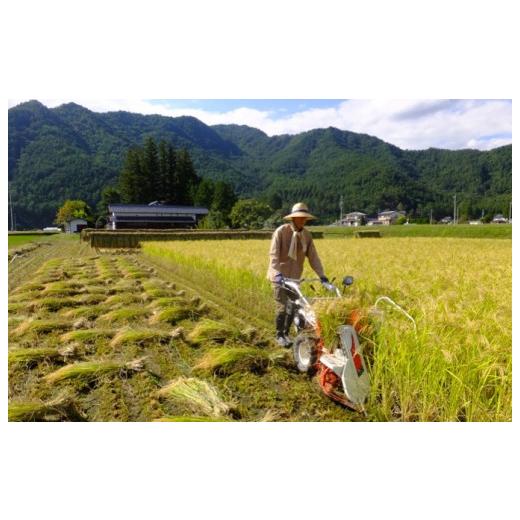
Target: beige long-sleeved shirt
{"x": 279, "y": 260}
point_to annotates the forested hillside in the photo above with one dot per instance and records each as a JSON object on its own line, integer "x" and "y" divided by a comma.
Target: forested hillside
{"x": 70, "y": 152}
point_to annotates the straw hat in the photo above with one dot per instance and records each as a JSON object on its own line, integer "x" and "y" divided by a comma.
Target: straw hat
{"x": 300, "y": 209}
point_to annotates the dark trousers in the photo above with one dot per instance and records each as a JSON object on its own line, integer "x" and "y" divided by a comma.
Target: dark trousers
{"x": 284, "y": 309}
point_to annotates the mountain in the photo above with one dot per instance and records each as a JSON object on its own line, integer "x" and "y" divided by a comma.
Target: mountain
{"x": 72, "y": 152}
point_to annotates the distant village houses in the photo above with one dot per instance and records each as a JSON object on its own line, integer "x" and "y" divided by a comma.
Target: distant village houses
{"x": 357, "y": 218}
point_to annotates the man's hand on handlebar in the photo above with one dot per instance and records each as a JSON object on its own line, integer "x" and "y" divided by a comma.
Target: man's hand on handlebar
{"x": 278, "y": 279}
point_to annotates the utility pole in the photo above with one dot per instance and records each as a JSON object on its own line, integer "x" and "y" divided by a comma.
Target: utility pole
{"x": 341, "y": 208}
{"x": 431, "y": 216}
{"x": 510, "y": 208}
{"x": 455, "y": 208}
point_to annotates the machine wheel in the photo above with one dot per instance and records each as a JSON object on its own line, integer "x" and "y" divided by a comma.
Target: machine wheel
{"x": 305, "y": 353}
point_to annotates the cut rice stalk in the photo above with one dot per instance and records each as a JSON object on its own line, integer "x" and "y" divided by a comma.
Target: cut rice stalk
{"x": 140, "y": 336}
{"x": 191, "y": 418}
{"x": 62, "y": 407}
{"x": 26, "y": 355}
{"x": 124, "y": 314}
{"x": 92, "y": 298}
{"x": 92, "y": 370}
{"x": 16, "y": 307}
{"x": 224, "y": 361}
{"x": 123, "y": 299}
{"x": 41, "y": 326}
{"x": 53, "y": 303}
{"x": 210, "y": 330}
{"x": 167, "y": 302}
{"x": 170, "y": 315}
{"x": 86, "y": 335}
{"x": 196, "y": 394}
{"x": 85, "y": 311}
{"x": 30, "y": 286}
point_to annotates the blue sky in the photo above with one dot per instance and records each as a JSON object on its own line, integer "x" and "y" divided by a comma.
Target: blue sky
{"x": 410, "y": 124}
{"x": 280, "y": 106}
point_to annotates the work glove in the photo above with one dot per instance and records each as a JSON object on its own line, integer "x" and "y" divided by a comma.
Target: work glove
{"x": 278, "y": 279}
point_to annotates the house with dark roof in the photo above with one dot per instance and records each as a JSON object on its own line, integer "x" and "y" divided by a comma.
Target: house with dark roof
{"x": 158, "y": 216}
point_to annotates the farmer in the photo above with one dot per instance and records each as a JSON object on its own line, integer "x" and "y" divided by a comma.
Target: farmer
{"x": 290, "y": 244}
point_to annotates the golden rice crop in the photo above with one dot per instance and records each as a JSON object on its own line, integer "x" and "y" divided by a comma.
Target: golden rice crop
{"x": 458, "y": 290}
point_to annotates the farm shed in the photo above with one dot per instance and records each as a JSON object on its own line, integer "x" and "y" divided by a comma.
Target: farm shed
{"x": 75, "y": 225}
{"x": 356, "y": 218}
{"x": 158, "y": 216}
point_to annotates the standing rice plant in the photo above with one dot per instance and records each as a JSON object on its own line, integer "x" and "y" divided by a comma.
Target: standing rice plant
{"x": 195, "y": 394}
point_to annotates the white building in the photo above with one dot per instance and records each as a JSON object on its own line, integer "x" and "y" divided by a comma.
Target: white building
{"x": 356, "y": 218}
{"x": 75, "y": 225}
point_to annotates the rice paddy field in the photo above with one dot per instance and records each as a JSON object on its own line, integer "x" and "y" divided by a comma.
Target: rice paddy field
{"x": 457, "y": 365}
{"x": 181, "y": 331}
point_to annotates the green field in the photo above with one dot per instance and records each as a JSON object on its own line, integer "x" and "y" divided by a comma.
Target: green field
{"x": 424, "y": 230}
{"x": 21, "y": 239}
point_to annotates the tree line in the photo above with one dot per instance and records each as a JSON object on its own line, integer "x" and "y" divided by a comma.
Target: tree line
{"x": 160, "y": 173}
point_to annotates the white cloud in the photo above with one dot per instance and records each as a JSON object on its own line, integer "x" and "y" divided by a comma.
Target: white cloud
{"x": 409, "y": 124}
